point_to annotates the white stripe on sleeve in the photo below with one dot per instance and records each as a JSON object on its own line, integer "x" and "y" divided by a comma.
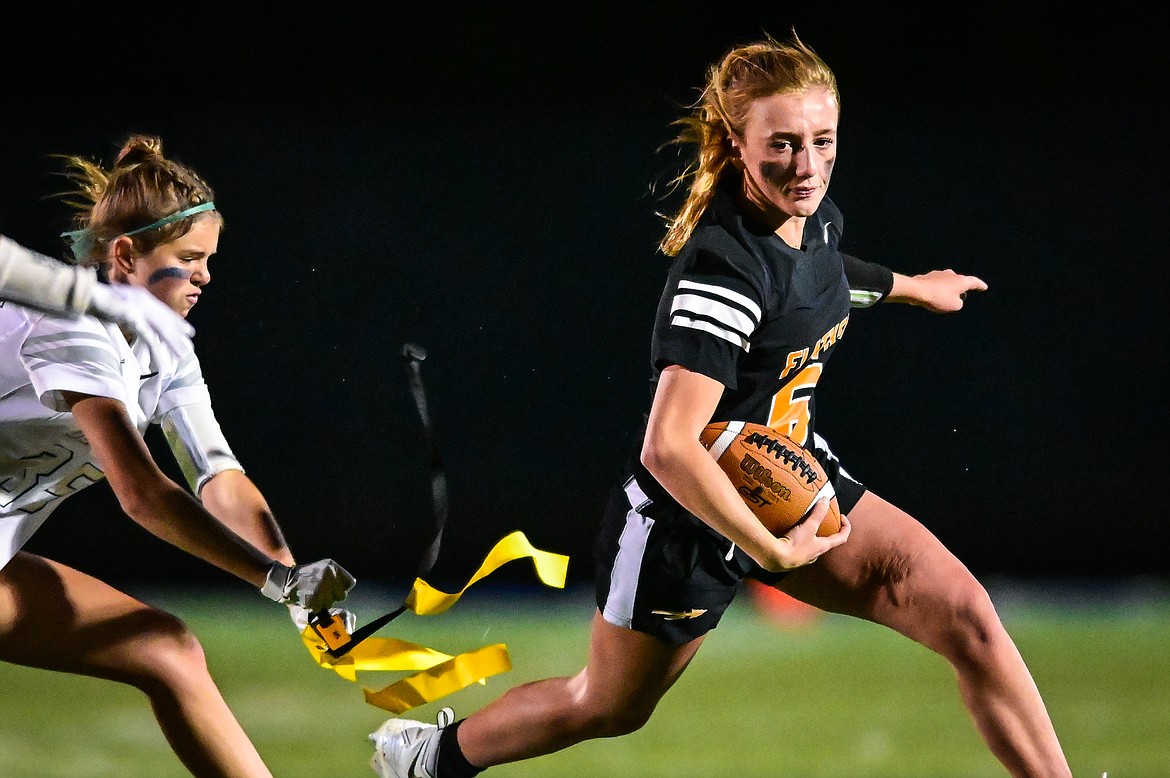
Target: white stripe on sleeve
{"x": 706, "y": 326}
{"x": 733, "y": 318}
{"x": 726, "y": 294}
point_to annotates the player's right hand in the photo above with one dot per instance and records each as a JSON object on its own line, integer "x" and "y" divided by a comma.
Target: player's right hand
{"x": 314, "y": 586}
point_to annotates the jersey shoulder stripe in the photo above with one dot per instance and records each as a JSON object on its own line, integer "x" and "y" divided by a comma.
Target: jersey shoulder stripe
{"x": 72, "y": 348}
{"x": 713, "y": 329}
{"x": 716, "y": 310}
{"x": 749, "y": 305}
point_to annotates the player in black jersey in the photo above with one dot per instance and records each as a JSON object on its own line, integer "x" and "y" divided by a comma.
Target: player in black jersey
{"x": 756, "y": 301}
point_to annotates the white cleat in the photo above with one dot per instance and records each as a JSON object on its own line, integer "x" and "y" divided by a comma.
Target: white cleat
{"x": 408, "y": 749}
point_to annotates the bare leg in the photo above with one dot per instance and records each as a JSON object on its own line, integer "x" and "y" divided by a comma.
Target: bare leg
{"x": 627, "y": 674}
{"x": 893, "y": 571}
{"x": 56, "y": 618}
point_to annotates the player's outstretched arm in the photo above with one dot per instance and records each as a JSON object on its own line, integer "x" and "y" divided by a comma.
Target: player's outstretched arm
{"x": 939, "y": 291}
{"x": 170, "y": 512}
{"x": 37, "y": 282}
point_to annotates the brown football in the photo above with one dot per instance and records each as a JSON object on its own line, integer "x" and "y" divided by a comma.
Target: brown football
{"x": 778, "y": 479}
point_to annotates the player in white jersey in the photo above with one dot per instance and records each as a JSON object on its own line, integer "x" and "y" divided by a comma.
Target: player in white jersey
{"x": 38, "y": 282}
{"x": 76, "y": 395}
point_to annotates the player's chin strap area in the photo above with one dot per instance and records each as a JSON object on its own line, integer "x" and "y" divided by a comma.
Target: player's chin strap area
{"x": 329, "y": 627}
{"x": 441, "y": 674}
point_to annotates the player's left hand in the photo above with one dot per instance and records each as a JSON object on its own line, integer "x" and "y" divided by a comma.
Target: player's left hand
{"x": 939, "y": 291}
{"x": 802, "y": 545}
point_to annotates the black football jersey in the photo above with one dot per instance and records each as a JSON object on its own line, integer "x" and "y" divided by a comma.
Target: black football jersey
{"x": 760, "y": 317}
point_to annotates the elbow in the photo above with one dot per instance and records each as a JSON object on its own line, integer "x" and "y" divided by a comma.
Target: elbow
{"x": 140, "y": 501}
{"x": 661, "y": 455}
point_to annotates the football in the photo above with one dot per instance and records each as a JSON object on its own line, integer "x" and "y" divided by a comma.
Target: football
{"x": 778, "y": 479}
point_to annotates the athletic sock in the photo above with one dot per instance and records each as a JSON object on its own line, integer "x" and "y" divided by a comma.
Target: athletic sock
{"x": 452, "y": 763}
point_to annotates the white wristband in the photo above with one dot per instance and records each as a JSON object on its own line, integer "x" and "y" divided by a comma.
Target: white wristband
{"x": 276, "y": 582}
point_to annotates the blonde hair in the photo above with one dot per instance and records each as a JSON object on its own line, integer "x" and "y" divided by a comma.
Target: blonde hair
{"x": 142, "y": 187}
{"x": 744, "y": 74}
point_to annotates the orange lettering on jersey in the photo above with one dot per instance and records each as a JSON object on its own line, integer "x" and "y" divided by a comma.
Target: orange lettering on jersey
{"x": 789, "y": 414}
{"x": 829, "y": 338}
{"x": 795, "y": 360}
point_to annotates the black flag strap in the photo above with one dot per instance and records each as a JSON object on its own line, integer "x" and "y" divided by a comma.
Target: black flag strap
{"x": 330, "y": 628}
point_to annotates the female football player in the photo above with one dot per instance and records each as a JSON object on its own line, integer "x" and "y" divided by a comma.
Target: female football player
{"x": 756, "y": 300}
{"x": 76, "y": 395}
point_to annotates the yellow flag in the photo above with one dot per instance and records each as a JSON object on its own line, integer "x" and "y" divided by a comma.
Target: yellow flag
{"x": 438, "y": 674}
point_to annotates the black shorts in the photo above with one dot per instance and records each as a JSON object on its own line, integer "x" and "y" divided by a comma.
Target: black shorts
{"x": 663, "y": 571}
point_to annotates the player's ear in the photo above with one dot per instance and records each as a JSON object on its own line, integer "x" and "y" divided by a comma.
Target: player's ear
{"x": 120, "y": 256}
{"x": 735, "y": 150}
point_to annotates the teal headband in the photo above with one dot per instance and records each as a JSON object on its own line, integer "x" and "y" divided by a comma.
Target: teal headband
{"x": 81, "y": 241}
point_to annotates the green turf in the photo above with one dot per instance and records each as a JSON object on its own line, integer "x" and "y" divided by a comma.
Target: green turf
{"x": 838, "y": 698}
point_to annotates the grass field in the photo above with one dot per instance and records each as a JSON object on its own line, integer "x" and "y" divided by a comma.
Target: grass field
{"x": 838, "y": 697}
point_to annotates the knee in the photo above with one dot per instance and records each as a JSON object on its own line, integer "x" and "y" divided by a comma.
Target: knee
{"x": 613, "y": 720}
{"x": 163, "y": 652}
{"x": 971, "y": 633}
{"x": 627, "y": 720}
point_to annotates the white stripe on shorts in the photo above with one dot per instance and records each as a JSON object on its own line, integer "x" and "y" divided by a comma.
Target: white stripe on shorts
{"x": 820, "y": 444}
{"x": 627, "y": 565}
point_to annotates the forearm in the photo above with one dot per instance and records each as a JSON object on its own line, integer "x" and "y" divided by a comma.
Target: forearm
{"x": 905, "y": 289}
{"x": 170, "y": 513}
{"x": 693, "y": 478}
{"x": 233, "y": 499}
{"x": 36, "y": 281}
{"x": 939, "y": 291}
{"x": 683, "y": 404}
{"x": 175, "y": 516}
{"x": 154, "y": 501}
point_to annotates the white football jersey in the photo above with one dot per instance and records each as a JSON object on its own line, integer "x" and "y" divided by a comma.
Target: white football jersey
{"x": 44, "y": 457}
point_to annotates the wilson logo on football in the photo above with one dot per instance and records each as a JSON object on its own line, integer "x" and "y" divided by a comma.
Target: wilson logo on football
{"x": 776, "y": 477}
{"x": 754, "y": 470}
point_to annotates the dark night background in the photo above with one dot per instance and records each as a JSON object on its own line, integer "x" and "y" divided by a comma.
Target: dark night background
{"x": 480, "y": 183}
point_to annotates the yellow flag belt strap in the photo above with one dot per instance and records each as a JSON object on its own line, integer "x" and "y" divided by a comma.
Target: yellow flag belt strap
{"x": 438, "y": 674}
{"x": 435, "y": 674}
